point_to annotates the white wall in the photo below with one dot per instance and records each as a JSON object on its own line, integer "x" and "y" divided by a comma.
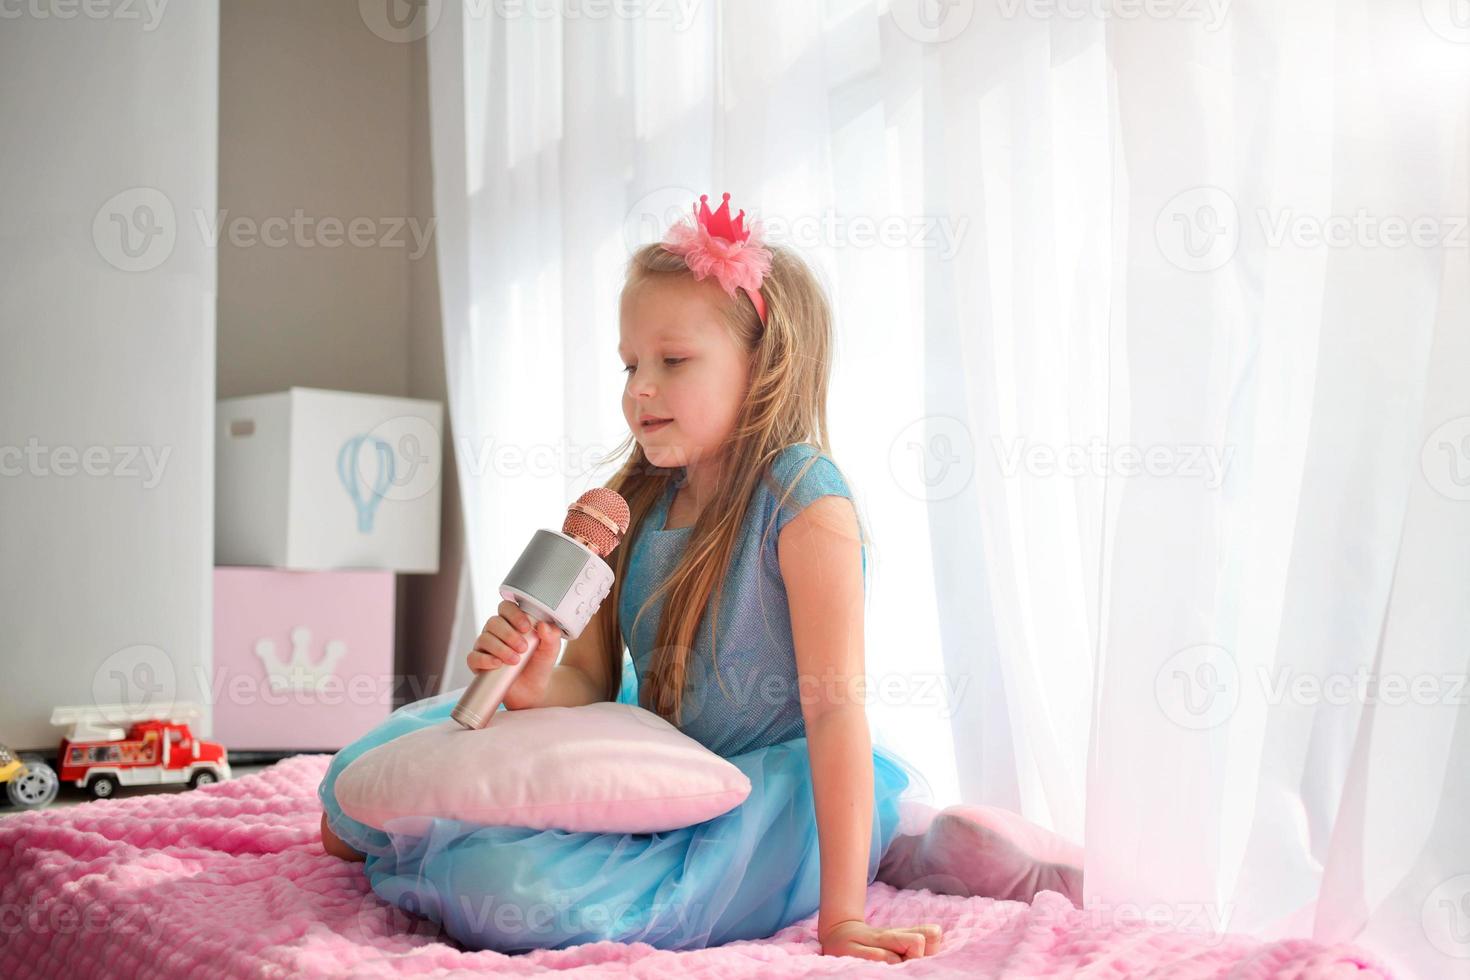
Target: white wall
{"x": 106, "y": 350}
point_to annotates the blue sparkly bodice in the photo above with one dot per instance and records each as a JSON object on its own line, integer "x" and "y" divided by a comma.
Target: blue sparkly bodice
{"x": 755, "y": 702}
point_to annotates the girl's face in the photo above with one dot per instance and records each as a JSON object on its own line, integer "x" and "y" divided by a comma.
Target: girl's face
{"x": 682, "y": 364}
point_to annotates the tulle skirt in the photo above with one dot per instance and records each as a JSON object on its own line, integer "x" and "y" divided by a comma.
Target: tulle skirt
{"x": 745, "y": 874}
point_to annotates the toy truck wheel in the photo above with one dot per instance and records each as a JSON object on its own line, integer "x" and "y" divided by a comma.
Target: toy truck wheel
{"x": 202, "y": 778}
{"x": 102, "y": 786}
{"x": 36, "y": 788}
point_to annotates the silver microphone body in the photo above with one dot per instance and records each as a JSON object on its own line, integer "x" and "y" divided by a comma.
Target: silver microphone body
{"x": 557, "y": 579}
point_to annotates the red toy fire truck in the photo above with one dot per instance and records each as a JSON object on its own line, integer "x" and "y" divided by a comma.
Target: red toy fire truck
{"x": 156, "y": 748}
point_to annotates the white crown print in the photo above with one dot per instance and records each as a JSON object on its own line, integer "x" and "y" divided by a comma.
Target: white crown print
{"x": 300, "y": 674}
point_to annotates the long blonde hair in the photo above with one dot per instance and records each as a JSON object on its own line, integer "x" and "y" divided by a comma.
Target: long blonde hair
{"x": 786, "y": 403}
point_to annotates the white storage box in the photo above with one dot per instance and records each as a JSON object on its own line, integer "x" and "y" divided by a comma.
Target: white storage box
{"x": 315, "y": 480}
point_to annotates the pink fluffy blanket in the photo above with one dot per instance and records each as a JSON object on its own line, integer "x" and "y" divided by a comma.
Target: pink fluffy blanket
{"x": 230, "y": 881}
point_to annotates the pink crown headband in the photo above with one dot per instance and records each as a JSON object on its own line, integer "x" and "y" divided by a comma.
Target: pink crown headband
{"x": 714, "y": 245}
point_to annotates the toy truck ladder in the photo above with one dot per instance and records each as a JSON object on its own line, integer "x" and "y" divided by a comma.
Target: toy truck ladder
{"x": 99, "y": 722}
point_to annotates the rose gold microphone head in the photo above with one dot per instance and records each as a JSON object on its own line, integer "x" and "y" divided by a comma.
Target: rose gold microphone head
{"x": 600, "y": 518}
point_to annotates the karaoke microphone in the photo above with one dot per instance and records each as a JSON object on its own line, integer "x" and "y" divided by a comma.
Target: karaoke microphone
{"x": 560, "y": 578}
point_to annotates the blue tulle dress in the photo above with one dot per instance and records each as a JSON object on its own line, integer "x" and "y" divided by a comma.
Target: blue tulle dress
{"x": 742, "y": 875}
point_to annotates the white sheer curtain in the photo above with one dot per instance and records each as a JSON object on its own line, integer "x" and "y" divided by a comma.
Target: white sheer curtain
{"x": 1151, "y": 381}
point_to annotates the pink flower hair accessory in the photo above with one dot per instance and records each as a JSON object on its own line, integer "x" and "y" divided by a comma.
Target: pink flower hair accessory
{"x": 713, "y": 245}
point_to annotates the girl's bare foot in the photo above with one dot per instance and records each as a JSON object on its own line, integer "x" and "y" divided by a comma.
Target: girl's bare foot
{"x": 335, "y": 846}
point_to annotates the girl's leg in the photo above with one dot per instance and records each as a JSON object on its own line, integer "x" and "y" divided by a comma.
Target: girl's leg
{"x": 986, "y": 852}
{"x": 335, "y": 846}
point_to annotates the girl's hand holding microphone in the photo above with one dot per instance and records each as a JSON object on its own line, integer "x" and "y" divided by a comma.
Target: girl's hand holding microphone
{"x": 507, "y": 637}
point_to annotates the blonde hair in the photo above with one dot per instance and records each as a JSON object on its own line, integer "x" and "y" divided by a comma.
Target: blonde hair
{"x": 786, "y": 403}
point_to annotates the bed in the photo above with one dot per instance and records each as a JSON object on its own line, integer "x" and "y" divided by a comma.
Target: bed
{"x": 230, "y": 880}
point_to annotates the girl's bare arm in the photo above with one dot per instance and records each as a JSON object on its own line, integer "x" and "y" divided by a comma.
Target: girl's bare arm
{"x": 821, "y": 566}
{"x": 820, "y": 557}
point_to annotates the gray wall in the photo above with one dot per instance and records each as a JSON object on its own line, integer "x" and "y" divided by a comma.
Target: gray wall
{"x": 320, "y": 115}
{"x": 107, "y": 347}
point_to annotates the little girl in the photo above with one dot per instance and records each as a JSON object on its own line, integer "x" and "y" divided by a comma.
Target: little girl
{"x": 743, "y": 529}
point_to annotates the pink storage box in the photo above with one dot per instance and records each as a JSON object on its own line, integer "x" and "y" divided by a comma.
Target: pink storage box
{"x": 302, "y": 660}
